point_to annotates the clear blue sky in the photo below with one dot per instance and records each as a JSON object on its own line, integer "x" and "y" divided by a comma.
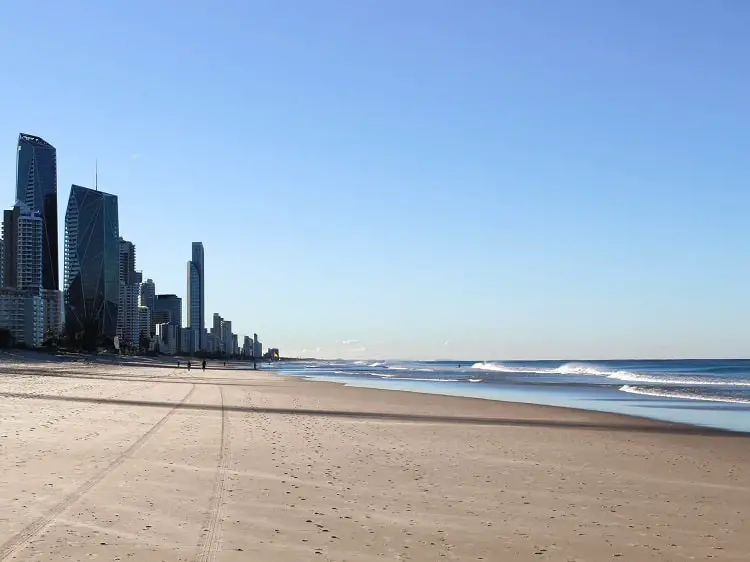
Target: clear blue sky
{"x": 431, "y": 178}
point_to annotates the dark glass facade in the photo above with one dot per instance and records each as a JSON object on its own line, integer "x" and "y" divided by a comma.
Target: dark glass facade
{"x": 92, "y": 261}
{"x": 171, "y": 304}
{"x": 36, "y": 185}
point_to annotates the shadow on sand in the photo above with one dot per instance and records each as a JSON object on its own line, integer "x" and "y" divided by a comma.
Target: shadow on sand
{"x": 652, "y": 428}
{"x": 181, "y": 376}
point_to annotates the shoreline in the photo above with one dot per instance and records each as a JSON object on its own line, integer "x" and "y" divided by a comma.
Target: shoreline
{"x": 353, "y": 384}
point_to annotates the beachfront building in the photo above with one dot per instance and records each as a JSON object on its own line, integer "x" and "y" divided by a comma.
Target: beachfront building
{"x": 217, "y": 341}
{"x": 22, "y": 238}
{"x": 148, "y": 299}
{"x": 166, "y": 339}
{"x": 144, "y": 321}
{"x": 21, "y": 303}
{"x": 36, "y": 186}
{"x": 212, "y": 343}
{"x": 53, "y": 311}
{"x": 91, "y": 287}
{"x": 226, "y": 336}
{"x": 247, "y": 346}
{"x": 22, "y": 314}
{"x": 172, "y": 306}
{"x": 195, "y": 292}
{"x": 129, "y": 316}
{"x": 189, "y": 340}
{"x": 257, "y": 348}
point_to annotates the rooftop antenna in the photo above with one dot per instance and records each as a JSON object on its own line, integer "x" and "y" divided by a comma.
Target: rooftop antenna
{"x": 96, "y": 175}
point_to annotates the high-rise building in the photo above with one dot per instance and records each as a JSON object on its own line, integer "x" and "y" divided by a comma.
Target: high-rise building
{"x": 127, "y": 262}
{"x": 195, "y": 291}
{"x": 166, "y": 338}
{"x": 92, "y": 261}
{"x": 21, "y": 303}
{"x": 128, "y": 317}
{"x": 257, "y": 347}
{"x": 22, "y": 314}
{"x": 216, "y": 334}
{"x": 226, "y": 336}
{"x": 148, "y": 299}
{"x": 170, "y": 304}
{"x": 189, "y": 340}
{"x": 148, "y": 294}
{"x": 22, "y": 238}
{"x": 144, "y": 321}
{"x": 52, "y": 299}
{"x": 36, "y": 185}
{"x": 23, "y": 259}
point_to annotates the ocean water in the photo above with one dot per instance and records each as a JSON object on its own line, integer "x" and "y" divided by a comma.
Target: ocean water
{"x": 711, "y": 393}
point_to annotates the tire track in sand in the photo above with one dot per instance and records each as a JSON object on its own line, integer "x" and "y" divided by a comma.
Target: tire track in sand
{"x": 211, "y": 538}
{"x": 19, "y": 541}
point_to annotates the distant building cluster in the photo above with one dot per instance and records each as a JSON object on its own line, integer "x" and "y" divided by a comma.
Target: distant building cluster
{"x": 104, "y": 301}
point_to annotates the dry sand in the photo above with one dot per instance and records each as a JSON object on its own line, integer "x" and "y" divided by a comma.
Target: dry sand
{"x": 108, "y": 462}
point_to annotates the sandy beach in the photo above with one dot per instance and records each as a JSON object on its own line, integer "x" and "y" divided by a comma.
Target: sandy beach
{"x": 148, "y": 462}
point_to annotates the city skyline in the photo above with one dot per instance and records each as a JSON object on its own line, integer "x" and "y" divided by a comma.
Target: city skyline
{"x": 105, "y": 300}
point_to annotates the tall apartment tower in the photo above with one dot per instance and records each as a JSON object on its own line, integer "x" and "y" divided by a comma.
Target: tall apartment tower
{"x": 128, "y": 317}
{"x": 92, "y": 261}
{"x": 148, "y": 300}
{"x": 22, "y": 238}
{"x": 36, "y": 186}
{"x": 195, "y": 293}
{"x": 22, "y": 309}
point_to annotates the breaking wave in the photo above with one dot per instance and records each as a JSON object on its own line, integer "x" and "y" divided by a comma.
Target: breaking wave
{"x": 683, "y": 394}
{"x": 590, "y": 369}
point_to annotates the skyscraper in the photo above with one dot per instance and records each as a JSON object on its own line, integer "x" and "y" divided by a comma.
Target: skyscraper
{"x": 128, "y": 317}
{"x": 195, "y": 292}
{"x": 127, "y": 262}
{"x": 92, "y": 261}
{"x": 36, "y": 185}
{"x": 148, "y": 299}
{"x": 148, "y": 294}
{"x": 22, "y": 308}
{"x": 22, "y": 238}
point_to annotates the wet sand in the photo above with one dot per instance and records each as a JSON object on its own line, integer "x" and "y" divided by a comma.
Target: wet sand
{"x": 108, "y": 462}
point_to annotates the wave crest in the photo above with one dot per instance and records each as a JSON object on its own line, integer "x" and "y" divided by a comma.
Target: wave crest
{"x": 594, "y": 370}
{"x": 682, "y": 394}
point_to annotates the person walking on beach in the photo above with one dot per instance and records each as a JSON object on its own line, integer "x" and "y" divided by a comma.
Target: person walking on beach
{"x": 188, "y": 365}
{"x": 178, "y": 363}
{"x": 203, "y": 364}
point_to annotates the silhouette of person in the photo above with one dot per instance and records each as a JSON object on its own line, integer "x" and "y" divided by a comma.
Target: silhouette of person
{"x": 188, "y": 365}
{"x": 204, "y": 364}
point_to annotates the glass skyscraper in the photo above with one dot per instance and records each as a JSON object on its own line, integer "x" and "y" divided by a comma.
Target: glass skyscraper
{"x": 92, "y": 261}
{"x": 195, "y": 292}
{"x": 36, "y": 186}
